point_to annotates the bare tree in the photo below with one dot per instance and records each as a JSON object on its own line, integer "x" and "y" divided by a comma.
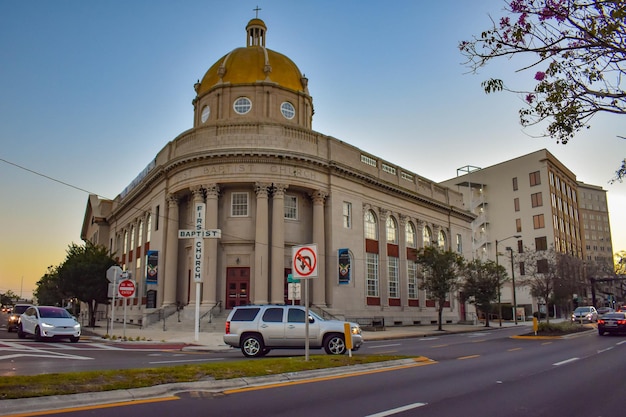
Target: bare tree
{"x": 553, "y": 277}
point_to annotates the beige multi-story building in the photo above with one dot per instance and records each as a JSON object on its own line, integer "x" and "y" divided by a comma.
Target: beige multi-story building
{"x": 257, "y": 182}
{"x": 530, "y": 202}
{"x": 598, "y": 247}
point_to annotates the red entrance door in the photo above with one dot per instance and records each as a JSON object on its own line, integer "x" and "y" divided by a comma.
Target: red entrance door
{"x": 237, "y": 287}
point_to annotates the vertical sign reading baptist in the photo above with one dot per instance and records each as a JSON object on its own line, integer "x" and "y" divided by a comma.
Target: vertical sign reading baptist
{"x": 344, "y": 266}
{"x": 152, "y": 267}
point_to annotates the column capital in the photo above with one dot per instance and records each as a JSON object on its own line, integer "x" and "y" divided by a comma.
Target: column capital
{"x": 212, "y": 190}
{"x": 278, "y": 190}
{"x": 403, "y": 219}
{"x": 172, "y": 200}
{"x": 198, "y": 193}
{"x": 318, "y": 196}
{"x": 261, "y": 188}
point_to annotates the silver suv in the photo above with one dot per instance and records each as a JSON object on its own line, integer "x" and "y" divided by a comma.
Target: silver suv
{"x": 258, "y": 329}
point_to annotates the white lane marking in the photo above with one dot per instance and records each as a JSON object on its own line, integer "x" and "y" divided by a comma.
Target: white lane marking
{"x": 26, "y": 351}
{"x": 384, "y": 346}
{"x": 604, "y": 350}
{"x": 619, "y": 343}
{"x": 397, "y": 410}
{"x": 188, "y": 360}
{"x": 565, "y": 361}
{"x": 43, "y": 355}
{"x": 429, "y": 338}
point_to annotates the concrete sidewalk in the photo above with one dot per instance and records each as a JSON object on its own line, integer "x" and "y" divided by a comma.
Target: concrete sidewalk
{"x": 213, "y": 341}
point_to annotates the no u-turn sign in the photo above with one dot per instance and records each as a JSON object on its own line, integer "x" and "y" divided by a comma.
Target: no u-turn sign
{"x": 304, "y": 261}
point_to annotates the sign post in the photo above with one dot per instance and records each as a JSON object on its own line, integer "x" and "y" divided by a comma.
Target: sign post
{"x": 198, "y": 234}
{"x": 113, "y": 274}
{"x": 126, "y": 289}
{"x": 304, "y": 266}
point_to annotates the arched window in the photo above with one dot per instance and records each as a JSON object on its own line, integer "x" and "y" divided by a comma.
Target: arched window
{"x": 371, "y": 230}
{"x": 132, "y": 238}
{"x": 392, "y": 230}
{"x": 441, "y": 239}
{"x": 140, "y": 233}
{"x": 411, "y": 238}
{"x": 148, "y": 227}
{"x": 428, "y": 236}
{"x": 125, "y": 242}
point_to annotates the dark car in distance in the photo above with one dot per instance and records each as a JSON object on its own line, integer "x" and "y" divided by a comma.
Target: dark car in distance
{"x": 612, "y": 323}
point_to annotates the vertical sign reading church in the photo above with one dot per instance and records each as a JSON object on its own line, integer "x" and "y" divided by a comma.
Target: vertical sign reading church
{"x": 344, "y": 266}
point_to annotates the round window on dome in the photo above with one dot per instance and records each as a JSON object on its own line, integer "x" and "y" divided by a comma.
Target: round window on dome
{"x": 242, "y": 105}
{"x": 204, "y": 116}
{"x": 287, "y": 110}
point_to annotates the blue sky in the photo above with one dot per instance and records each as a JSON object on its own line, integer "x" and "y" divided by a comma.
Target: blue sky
{"x": 91, "y": 91}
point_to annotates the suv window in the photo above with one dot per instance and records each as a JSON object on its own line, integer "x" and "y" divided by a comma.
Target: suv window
{"x": 273, "y": 315}
{"x": 245, "y": 314}
{"x": 295, "y": 315}
{"x": 19, "y": 309}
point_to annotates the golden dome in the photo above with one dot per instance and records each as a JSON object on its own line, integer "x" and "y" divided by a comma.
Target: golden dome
{"x": 253, "y": 63}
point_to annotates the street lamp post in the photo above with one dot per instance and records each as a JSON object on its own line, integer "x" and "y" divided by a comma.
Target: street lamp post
{"x": 513, "y": 282}
{"x": 499, "y": 281}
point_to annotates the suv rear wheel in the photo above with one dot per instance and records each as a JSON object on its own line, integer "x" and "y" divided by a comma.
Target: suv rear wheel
{"x": 334, "y": 345}
{"x": 252, "y": 346}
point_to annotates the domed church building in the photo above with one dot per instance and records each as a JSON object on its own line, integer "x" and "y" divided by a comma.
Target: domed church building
{"x": 225, "y": 203}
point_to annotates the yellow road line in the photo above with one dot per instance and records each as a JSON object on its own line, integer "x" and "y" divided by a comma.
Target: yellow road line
{"x": 92, "y": 407}
{"x": 462, "y": 358}
{"x": 421, "y": 361}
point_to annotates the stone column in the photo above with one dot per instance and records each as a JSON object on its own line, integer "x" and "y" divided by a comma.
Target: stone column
{"x": 278, "y": 244}
{"x": 209, "y": 289}
{"x": 383, "y": 266}
{"x": 261, "y": 245}
{"x": 403, "y": 263}
{"x": 168, "y": 285}
{"x": 420, "y": 271}
{"x": 320, "y": 284}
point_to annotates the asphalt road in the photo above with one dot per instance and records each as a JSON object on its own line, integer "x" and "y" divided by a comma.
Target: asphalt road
{"x": 473, "y": 374}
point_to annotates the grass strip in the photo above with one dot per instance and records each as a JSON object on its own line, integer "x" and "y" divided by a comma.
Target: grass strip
{"x": 19, "y": 386}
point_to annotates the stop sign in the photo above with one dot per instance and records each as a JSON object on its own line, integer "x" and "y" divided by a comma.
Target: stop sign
{"x": 126, "y": 288}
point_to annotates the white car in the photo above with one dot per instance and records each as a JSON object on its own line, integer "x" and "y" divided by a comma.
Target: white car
{"x": 48, "y": 322}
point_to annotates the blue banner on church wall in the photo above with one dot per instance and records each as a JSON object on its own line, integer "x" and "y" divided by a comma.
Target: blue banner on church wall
{"x": 345, "y": 264}
{"x": 152, "y": 267}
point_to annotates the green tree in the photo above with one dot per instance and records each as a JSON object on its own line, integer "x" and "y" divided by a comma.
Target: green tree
{"x": 9, "y": 298}
{"x": 83, "y": 275}
{"x": 576, "y": 57}
{"x": 47, "y": 291}
{"x": 441, "y": 274}
{"x": 482, "y": 284}
{"x": 619, "y": 259}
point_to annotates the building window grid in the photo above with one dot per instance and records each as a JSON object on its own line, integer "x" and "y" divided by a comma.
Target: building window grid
{"x": 412, "y": 280}
{"x": 239, "y": 204}
{"x": 535, "y": 178}
{"x": 291, "y": 207}
{"x": 406, "y": 176}
{"x": 347, "y": 215}
{"x": 394, "y": 280}
{"x": 372, "y": 274}
{"x": 389, "y": 169}
{"x": 536, "y": 199}
{"x": 371, "y": 229}
{"x": 411, "y": 238}
{"x": 392, "y": 230}
{"x": 367, "y": 160}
